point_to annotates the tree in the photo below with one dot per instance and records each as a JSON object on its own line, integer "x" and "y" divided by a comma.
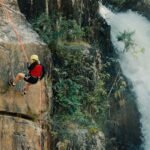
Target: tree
{"x": 47, "y": 7}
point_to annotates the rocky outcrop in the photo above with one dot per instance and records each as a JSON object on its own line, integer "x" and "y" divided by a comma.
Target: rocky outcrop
{"x": 15, "y": 131}
{"x": 83, "y": 139}
{"x": 86, "y": 140}
{"x": 21, "y": 134}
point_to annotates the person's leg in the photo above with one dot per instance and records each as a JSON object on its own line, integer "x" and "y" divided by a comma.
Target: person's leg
{"x": 19, "y": 76}
{"x": 26, "y": 87}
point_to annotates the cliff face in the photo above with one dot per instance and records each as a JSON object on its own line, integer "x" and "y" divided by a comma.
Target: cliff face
{"x": 19, "y": 128}
{"x": 21, "y": 134}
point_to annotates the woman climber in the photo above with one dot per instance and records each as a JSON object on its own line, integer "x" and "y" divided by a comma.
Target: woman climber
{"x": 36, "y": 72}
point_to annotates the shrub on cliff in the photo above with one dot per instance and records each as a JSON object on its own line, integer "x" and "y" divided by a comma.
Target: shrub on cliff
{"x": 79, "y": 93}
{"x": 55, "y": 28}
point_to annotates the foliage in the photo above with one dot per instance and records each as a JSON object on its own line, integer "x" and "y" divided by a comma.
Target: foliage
{"x": 147, "y": 2}
{"x": 53, "y": 28}
{"x": 119, "y": 2}
{"x": 70, "y": 30}
{"x": 93, "y": 130}
{"x": 79, "y": 92}
{"x": 97, "y": 104}
{"x": 129, "y": 44}
{"x": 64, "y": 123}
{"x": 126, "y": 38}
{"x": 43, "y": 25}
{"x": 120, "y": 88}
{"x": 68, "y": 95}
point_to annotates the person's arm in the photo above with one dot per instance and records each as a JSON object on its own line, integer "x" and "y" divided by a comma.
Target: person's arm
{"x": 28, "y": 65}
{"x": 31, "y": 66}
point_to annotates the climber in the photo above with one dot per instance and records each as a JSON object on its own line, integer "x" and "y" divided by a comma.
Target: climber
{"x": 36, "y": 72}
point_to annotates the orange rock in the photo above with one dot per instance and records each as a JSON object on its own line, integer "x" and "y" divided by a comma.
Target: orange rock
{"x": 17, "y": 133}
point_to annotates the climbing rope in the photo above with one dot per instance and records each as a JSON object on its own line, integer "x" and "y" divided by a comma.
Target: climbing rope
{"x": 40, "y": 113}
{"x": 8, "y": 8}
{"x": 9, "y": 18}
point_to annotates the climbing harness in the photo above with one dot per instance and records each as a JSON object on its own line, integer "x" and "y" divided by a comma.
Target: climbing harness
{"x": 6, "y": 10}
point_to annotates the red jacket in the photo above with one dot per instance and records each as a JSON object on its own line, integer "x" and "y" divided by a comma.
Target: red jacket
{"x": 36, "y": 71}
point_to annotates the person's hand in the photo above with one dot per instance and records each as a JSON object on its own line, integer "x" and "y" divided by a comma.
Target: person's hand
{"x": 28, "y": 64}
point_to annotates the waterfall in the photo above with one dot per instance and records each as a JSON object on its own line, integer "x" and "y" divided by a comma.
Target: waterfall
{"x": 134, "y": 60}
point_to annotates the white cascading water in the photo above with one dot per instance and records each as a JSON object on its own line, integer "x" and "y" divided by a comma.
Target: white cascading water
{"x": 135, "y": 63}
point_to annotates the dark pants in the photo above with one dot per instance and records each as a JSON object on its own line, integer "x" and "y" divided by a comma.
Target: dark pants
{"x": 30, "y": 79}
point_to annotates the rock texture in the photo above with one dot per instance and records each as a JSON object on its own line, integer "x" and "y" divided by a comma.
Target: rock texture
{"x": 86, "y": 140}
{"x": 17, "y": 133}
{"x": 21, "y": 134}
{"x": 13, "y": 61}
{"x": 83, "y": 140}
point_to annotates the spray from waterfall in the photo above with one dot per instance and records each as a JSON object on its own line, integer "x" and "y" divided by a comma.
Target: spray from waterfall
{"x": 130, "y": 33}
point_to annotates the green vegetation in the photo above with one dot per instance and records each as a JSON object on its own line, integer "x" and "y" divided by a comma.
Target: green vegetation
{"x": 78, "y": 77}
{"x": 126, "y": 38}
{"x": 129, "y": 4}
{"x": 68, "y": 95}
{"x": 82, "y": 88}
{"x": 119, "y": 2}
{"x": 51, "y": 29}
{"x": 129, "y": 44}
